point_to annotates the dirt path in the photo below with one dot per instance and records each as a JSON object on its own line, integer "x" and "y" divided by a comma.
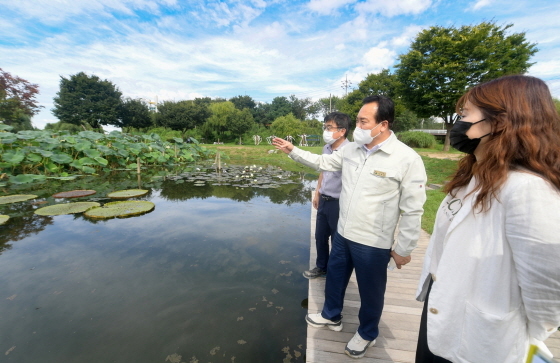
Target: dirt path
{"x": 442, "y": 155}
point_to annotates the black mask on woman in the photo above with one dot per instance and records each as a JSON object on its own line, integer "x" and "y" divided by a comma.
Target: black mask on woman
{"x": 460, "y": 140}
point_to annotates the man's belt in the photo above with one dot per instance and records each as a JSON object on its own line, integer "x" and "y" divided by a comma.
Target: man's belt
{"x": 326, "y": 197}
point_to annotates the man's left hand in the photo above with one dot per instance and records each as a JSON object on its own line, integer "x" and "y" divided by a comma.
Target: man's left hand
{"x": 400, "y": 260}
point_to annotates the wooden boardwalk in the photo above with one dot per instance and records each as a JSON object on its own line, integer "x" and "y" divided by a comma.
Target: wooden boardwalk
{"x": 399, "y": 323}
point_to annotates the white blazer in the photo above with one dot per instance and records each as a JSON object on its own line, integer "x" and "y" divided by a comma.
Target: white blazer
{"x": 497, "y": 284}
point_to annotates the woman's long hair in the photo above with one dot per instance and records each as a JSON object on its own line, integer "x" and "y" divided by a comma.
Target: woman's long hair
{"x": 525, "y": 135}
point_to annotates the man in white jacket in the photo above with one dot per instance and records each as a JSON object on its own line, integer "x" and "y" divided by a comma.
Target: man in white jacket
{"x": 383, "y": 180}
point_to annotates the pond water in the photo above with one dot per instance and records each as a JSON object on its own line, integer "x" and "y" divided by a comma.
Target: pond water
{"x": 212, "y": 274}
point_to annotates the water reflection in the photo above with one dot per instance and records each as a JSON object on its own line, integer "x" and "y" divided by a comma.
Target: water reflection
{"x": 211, "y": 275}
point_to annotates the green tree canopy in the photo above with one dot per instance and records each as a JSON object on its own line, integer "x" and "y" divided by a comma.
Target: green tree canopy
{"x": 18, "y": 101}
{"x": 383, "y": 83}
{"x": 87, "y": 99}
{"x": 242, "y": 102}
{"x": 240, "y": 122}
{"x": 327, "y": 105}
{"x": 287, "y": 125}
{"x": 134, "y": 113}
{"x": 183, "y": 115}
{"x": 443, "y": 63}
{"x": 217, "y": 124}
{"x": 280, "y": 106}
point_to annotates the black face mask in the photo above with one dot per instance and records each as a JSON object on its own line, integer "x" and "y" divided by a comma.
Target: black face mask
{"x": 460, "y": 140}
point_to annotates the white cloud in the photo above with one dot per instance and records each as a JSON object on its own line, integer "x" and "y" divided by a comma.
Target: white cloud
{"x": 480, "y": 4}
{"x": 394, "y": 8}
{"x": 327, "y": 7}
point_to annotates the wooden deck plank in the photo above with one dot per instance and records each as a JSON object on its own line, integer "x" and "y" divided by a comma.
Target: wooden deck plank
{"x": 399, "y": 323}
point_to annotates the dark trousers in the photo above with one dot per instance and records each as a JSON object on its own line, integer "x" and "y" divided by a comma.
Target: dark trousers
{"x": 370, "y": 264}
{"x": 325, "y": 228}
{"x": 423, "y": 353}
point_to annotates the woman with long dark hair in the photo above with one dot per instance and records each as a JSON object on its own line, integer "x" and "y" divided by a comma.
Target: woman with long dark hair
{"x": 491, "y": 275}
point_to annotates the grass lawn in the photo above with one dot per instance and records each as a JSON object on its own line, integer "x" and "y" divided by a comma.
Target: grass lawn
{"x": 438, "y": 170}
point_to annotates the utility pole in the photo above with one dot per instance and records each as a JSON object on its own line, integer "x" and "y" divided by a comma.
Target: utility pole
{"x": 330, "y": 103}
{"x": 346, "y": 84}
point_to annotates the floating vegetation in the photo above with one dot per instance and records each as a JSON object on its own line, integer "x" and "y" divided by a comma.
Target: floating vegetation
{"x": 3, "y": 219}
{"x": 120, "y": 209}
{"x": 74, "y": 194}
{"x": 16, "y": 198}
{"x": 122, "y": 194}
{"x": 66, "y": 208}
{"x": 238, "y": 176}
{"x": 62, "y": 154}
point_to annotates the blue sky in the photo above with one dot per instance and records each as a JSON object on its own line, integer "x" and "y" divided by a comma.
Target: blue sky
{"x": 178, "y": 50}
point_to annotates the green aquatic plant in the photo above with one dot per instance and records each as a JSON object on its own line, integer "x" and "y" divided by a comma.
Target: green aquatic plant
{"x": 120, "y": 209}
{"x": 66, "y": 208}
{"x": 61, "y": 154}
{"x": 74, "y": 194}
{"x": 121, "y": 194}
{"x": 16, "y": 198}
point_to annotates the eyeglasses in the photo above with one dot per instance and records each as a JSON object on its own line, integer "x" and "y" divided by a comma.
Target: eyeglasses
{"x": 329, "y": 128}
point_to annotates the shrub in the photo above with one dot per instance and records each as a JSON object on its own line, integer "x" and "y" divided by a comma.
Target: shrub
{"x": 417, "y": 139}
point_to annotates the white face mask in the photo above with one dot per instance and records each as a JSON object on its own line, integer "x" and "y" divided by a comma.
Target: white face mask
{"x": 328, "y": 137}
{"x": 363, "y": 137}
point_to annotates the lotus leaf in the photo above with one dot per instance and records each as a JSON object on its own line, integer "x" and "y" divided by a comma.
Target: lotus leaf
{"x": 45, "y": 153}
{"x": 74, "y": 194}
{"x": 89, "y": 170}
{"x": 61, "y": 158}
{"x": 92, "y": 153}
{"x": 26, "y": 178}
{"x": 66, "y": 208}
{"x": 3, "y": 219}
{"x": 6, "y": 127}
{"x": 16, "y": 198}
{"x": 34, "y": 158}
{"x": 120, "y": 209}
{"x": 13, "y": 157}
{"x": 7, "y": 138}
{"x": 128, "y": 193}
{"x": 92, "y": 135}
{"x": 101, "y": 160}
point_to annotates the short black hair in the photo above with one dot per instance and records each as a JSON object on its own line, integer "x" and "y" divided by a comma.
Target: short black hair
{"x": 385, "y": 108}
{"x": 341, "y": 120}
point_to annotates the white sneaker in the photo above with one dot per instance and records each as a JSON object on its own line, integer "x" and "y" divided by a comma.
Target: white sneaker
{"x": 317, "y": 321}
{"x": 356, "y": 347}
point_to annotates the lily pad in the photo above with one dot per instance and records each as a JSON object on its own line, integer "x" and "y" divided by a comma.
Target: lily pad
{"x": 16, "y": 198}
{"x": 74, "y": 194}
{"x": 3, "y": 219}
{"x": 66, "y": 208}
{"x": 128, "y": 193}
{"x": 120, "y": 209}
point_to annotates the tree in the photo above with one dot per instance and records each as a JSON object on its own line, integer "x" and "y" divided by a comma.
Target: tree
{"x": 287, "y": 125}
{"x": 134, "y": 113}
{"x": 327, "y": 105}
{"x": 241, "y": 102}
{"x": 280, "y": 106}
{"x": 17, "y": 100}
{"x": 240, "y": 122}
{"x": 262, "y": 114}
{"x": 383, "y": 83}
{"x": 557, "y": 104}
{"x": 87, "y": 99}
{"x": 302, "y": 107}
{"x": 183, "y": 115}
{"x": 444, "y": 62}
{"x": 217, "y": 124}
